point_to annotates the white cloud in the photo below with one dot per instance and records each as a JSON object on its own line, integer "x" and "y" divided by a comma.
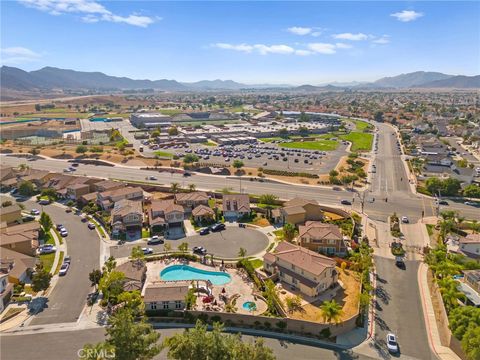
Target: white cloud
{"x": 18, "y": 55}
{"x": 274, "y": 49}
{"x": 322, "y": 48}
{"x": 298, "y": 30}
{"x": 385, "y": 39}
{"x": 239, "y": 47}
{"x": 316, "y": 33}
{"x": 343, "y": 46}
{"x": 93, "y": 11}
{"x": 303, "y": 52}
{"x": 407, "y": 15}
{"x": 350, "y": 36}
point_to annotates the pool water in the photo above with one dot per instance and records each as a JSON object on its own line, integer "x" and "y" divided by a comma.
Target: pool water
{"x": 246, "y": 305}
{"x": 185, "y": 272}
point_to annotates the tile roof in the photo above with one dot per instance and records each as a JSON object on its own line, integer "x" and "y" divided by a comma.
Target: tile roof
{"x": 318, "y": 230}
{"x": 202, "y": 210}
{"x": 165, "y": 206}
{"x": 470, "y": 239}
{"x": 10, "y": 209}
{"x": 192, "y": 196}
{"x": 133, "y": 270}
{"x": 236, "y": 202}
{"x": 166, "y": 291}
{"x": 125, "y": 207}
{"x": 121, "y": 191}
{"x": 15, "y": 263}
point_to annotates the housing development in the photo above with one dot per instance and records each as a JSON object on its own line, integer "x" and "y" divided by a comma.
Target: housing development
{"x": 159, "y": 219}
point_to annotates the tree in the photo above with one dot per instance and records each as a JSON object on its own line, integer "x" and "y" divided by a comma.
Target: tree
{"x": 45, "y": 221}
{"x": 111, "y": 285}
{"x": 283, "y": 132}
{"x": 268, "y": 200}
{"x": 450, "y": 294}
{"x": 132, "y": 300}
{"x": 175, "y": 187}
{"x": 294, "y": 303}
{"x": 81, "y": 149}
{"x": 156, "y": 132}
{"x": 50, "y": 193}
{"x": 167, "y": 247}
{"x": 471, "y": 342}
{"x": 41, "y": 279}
{"x": 137, "y": 254}
{"x": 331, "y": 310}
{"x": 6, "y": 203}
{"x": 238, "y": 164}
{"x": 304, "y": 117}
{"x": 95, "y": 276}
{"x": 26, "y": 188}
{"x": 34, "y": 151}
{"x": 333, "y": 173}
{"x": 110, "y": 264}
{"x": 198, "y": 343}
{"x": 190, "y": 158}
{"x": 303, "y": 131}
{"x": 173, "y": 131}
{"x": 242, "y": 252}
{"x": 472, "y": 191}
{"x": 23, "y": 167}
{"x": 183, "y": 247}
{"x": 378, "y": 116}
{"x": 460, "y": 319}
{"x": 192, "y": 187}
{"x": 289, "y": 231}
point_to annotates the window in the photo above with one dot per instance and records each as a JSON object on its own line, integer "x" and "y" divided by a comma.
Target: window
{"x": 281, "y": 274}
{"x": 153, "y": 305}
{"x": 331, "y": 241}
{"x": 178, "y": 304}
{"x": 165, "y": 304}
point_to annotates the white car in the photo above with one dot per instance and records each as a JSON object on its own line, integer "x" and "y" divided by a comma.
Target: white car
{"x": 35, "y": 212}
{"x": 147, "y": 251}
{"x": 63, "y": 269}
{"x": 67, "y": 170}
{"x": 64, "y": 232}
{"x": 392, "y": 344}
{"x": 405, "y": 220}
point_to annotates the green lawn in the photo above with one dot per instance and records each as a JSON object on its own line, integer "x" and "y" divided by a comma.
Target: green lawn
{"x": 145, "y": 233}
{"x": 323, "y": 145}
{"x": 209, "y": 143}
{"x": 47, "y": 260}
{"x": 163, "y": 154}
{"x": 430, "y": 228}
{"x": 279, "y": 234}
{"x": 360, "y": 141}
{"x": 170, "y": 111}
{"x": 47, "y": 238}
{"x": 256, "y": 263}
{"x": 360, "y": 125}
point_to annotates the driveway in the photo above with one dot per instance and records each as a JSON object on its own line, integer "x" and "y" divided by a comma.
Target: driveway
{"x": 225, "y": 243}
{"x": 66, "y": 301}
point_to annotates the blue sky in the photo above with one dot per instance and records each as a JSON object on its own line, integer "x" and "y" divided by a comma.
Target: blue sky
{"x": 250, "y": 42}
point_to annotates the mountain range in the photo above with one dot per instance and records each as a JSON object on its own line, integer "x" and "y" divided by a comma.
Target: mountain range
{"x": 51, "y": 78}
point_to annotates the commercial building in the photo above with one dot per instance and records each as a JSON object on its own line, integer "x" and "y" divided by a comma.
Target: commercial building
{"x": 150, "y": 120}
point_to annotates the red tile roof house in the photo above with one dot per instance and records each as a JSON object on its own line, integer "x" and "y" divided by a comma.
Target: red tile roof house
{"x": 301, "y": 269}
{"x": 322, "y": 238}
{"x": 235, "y": 206}
{"x": 203, "y": 214}
{"x": 107, "y": 199}
{"x": 127, "y": 218}
{"x": 166, "y": 217}
{"x": 191, "y": 200}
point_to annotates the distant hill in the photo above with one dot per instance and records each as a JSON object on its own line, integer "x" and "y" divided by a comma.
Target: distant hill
{"x": 409, "y": 80}
{"x": 312, "y": 88}
{"x": 457, "y": 82}
{"x": 216, "y": 84}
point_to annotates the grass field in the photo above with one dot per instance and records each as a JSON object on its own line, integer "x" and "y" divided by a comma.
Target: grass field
{"x": 323, "y": 145}
{"x": 360, "y": 141}
{"x": 360, "y": 125}
{"x": 163, "y": 154}
{"x": 47, "y": 261}
{"x": 59, "y": 114}
{"x": 170, "y": 111}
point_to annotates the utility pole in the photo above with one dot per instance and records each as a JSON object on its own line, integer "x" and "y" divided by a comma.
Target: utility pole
{"x": 362, "y": 197}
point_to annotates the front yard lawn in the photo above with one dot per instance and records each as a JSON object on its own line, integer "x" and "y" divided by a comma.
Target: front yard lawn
{"x": 360, "y": 141}
{"x": 47, "y": 261}
{"x": 145, "y": 233}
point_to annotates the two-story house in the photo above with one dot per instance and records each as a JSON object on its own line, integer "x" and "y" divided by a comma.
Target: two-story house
{"x": 107, "y": 185}
{"x": 10, "y": 214}
{"x": 21, "y": 238}
{"x": 323, "y": 238}
{"x": 107, "y": 199}
{"x": 302, "y": 269}
{"x": 165, "y": 216}
{"x": 297, "y": 211}
{"x": 16, "y": 265}
{"x": 235, "y": 206}
{"x": 6, "y": 291}
{"x": 127, "y": 217}
{"x": 191, "y": 200}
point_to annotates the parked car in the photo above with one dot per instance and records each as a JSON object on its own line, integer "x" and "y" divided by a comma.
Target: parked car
{"x": 35, "y": 212}
{"x": 67, "y": 259}
{"x": 200, "y": 250}
{"x": 399, "y": 261}
{"x": 155, "y": 240}
{"x": 405, "y": 220}
{"x": 217, "y": 227}
{"x": 187, "y": 174}
{"x": 147, "y": 251}
{"x": 91, "y": 226}
{"x": 13, "y": 191}
{"x": 392, "y": 344}
{"x": 152, "y": 178}
{"x": 84, "y": 218}
{"x": 68, "y": 210}
{"x": 44, "y": 202}
{"x": 204, "y": 231}
{"x": 60, "y": 227}
{"x": 471, "y": 203}
{"x": 346, "y": 202}
{"x": 64, "y": 232}
{"x": 442, "y": 202}
{"x": 47, "y": 249}
{"x": 64, "y": 269}
{"x": 75, "y": 164}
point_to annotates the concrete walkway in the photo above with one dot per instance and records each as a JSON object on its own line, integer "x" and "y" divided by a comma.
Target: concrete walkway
{"x": 189, "y": 229}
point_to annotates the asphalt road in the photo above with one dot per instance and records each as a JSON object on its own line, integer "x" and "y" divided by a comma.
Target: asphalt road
{"x": 225, "y": 243}
{"x": 399, "y": 310}
{"x": 66, "y": 301}
{"x": 65, "y": 346}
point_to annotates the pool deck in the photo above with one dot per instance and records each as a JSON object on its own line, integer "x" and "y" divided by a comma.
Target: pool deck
{"x": 240, "y": 284}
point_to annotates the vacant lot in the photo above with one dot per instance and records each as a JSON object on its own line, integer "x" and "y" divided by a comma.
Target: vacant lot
{"x": 360, "y": 141}
{"x": 323, "y": 145}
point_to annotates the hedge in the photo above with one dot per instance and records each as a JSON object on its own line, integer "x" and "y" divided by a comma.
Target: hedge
{"x": 289, "y": 173}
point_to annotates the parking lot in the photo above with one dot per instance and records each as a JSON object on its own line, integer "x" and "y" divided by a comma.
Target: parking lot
{"x": 225, "y": 243}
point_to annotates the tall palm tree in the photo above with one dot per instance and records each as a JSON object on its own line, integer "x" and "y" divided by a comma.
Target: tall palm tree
{"x": 331, "y": 310}
{"x": 175, "y": 187}
{"x": 192, "y": 187}
{"x": 242, "y": 253}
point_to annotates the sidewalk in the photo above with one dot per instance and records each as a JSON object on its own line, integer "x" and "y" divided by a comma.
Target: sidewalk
{"x": 443, "y": 352}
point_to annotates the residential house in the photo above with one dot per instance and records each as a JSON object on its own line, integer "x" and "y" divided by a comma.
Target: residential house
{"x": 87, "y": 198}
{"x": 21, "y": 238}
{"x": 169, "y": 295}
{"x": 166, "y": 216}
{"x": 302, "y": 269}
{"x": 235, "y": 206}
{"x": 10, "y": 214}
{"x": 75, "y": 191}
{"x": 107, "y": 199}
{"x": 470, "y": 287}
{"x": 37, "y": 178}
{"x": 6, "y": 291}
{"x": 127, "y": 217}
{"x": 470, "y": 246}
{"x": 323, "y": 238}
{"x": 191, "y": 200}
{"x": 438, "y": 159}
{"x": 107, "y": 185}
{"x": 16, "y": 265}
{"x": 135, "y": 274}
{"x": 203, "y": 214}
{"x": 297, "y": 211}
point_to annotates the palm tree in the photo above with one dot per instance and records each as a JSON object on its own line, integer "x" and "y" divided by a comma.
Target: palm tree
{"x": 23, "y": 167}
{"x": 192, "y": 187}
{"x": 475, "y": 226}
{"x": 450, "y": 294}
{"x": 175, "y": 187}
{"x": 242, "y": 253}
{"x": 167, "y": 247}
{"x": 331, "y": 310}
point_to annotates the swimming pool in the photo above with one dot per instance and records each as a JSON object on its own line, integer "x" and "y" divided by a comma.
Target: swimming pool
{"x": 249, "y": 306}
{"x": 185, "y": 272}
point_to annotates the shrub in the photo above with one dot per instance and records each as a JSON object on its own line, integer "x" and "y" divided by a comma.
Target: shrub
{"x": 282, "y": 325}
{"x": 325, "y": 333}
{"x": 289, "y": 173}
